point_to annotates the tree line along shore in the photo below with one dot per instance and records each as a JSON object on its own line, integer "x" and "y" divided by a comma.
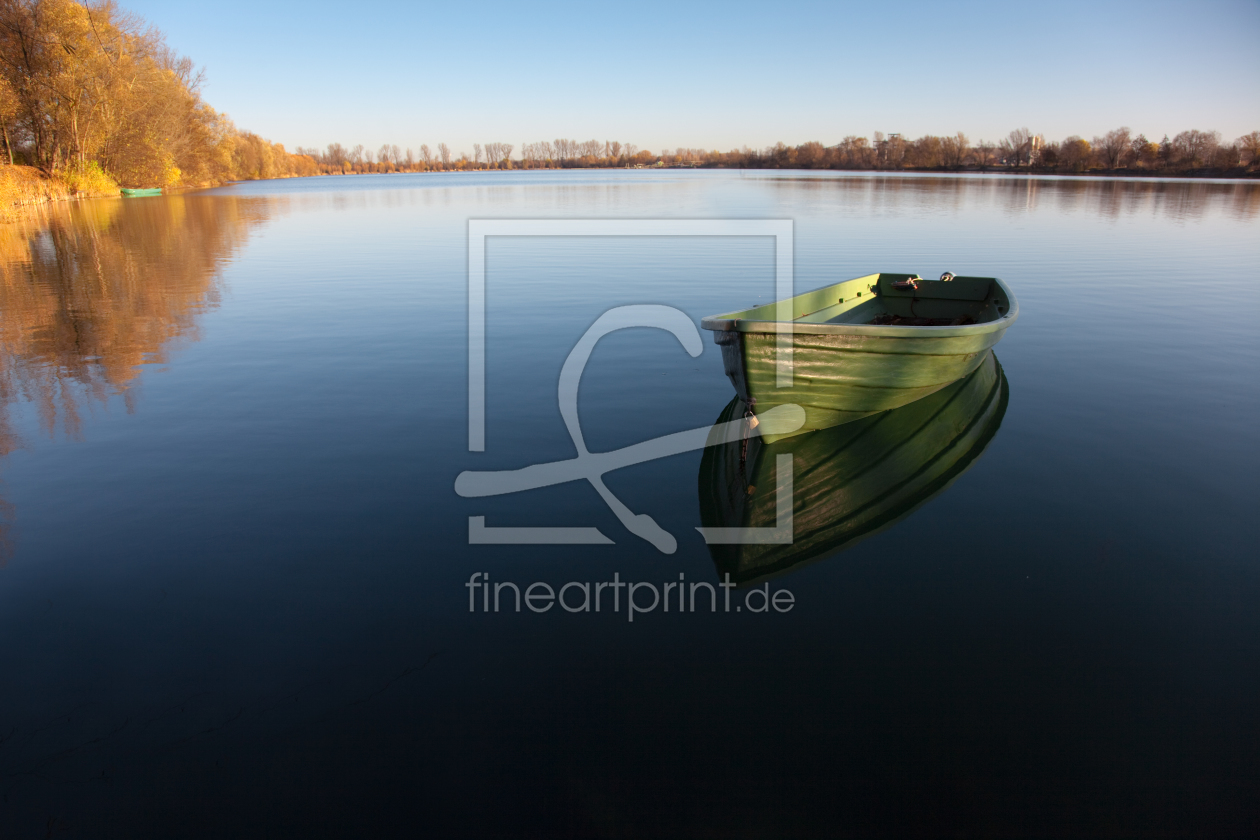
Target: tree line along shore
{"x": 1118, "y": 152}
{"x": 92, "y": 99}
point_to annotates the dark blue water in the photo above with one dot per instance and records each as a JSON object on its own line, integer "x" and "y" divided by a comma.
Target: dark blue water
{"x": 233, "y": 600}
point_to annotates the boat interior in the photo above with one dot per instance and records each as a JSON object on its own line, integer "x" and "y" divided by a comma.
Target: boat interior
{"x": 909, "y": 300}
{"x": 888, "y": 299}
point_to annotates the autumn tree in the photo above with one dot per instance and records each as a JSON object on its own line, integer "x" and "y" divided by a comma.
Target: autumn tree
{"x": 8, "y": 111}
{"x": 85, "y": 85}
{"x": 926, "y": 152}
{"x": 811, "y": 155}
{"x": 1074, "y": 154}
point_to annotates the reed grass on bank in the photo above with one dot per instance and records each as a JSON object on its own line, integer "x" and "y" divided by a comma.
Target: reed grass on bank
{"x": 22, "y": 186}
{"x": 88, "y": 179}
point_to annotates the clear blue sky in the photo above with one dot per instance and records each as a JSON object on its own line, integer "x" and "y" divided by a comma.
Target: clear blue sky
{"x": 717, "y": 75}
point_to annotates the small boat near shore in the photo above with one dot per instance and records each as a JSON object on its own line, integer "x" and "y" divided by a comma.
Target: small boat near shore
{"x": 133, "y": 192}
{"x": 863, "y": 346}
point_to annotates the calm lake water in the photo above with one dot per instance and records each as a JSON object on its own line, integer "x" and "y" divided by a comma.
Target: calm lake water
{"x": 233, "y": 598}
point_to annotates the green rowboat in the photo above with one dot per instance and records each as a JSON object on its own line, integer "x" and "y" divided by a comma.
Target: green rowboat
{"x": 848, "y": 482}
{"x": 862, "y": 346}
{"x": 132, "y": 193}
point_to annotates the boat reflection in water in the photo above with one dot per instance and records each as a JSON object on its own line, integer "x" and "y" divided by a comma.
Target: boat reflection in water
{"x": 849, "y": 481}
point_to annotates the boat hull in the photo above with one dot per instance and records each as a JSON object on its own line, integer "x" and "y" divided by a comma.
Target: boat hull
{"x": 841, "y": 372}
{"x": 838, "y": 379}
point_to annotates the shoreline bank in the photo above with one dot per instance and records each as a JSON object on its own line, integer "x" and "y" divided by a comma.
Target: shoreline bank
{"x": 25, "y": 188}
{"x": 1123, "y": 174}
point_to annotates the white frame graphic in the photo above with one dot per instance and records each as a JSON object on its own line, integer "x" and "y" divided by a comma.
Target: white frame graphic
{"x": 592, "y": 466}
{"x": 479, "y": 229}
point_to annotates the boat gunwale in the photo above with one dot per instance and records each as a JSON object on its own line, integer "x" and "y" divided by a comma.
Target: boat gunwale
{"x": 723, "y": 323}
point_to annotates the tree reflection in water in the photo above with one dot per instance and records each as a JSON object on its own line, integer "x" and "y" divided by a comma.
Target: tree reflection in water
{"x": 90, "y": 291}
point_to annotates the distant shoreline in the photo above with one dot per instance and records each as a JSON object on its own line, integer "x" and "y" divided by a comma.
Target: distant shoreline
{"x": 23, "y": 188}
{"x": 1124, "y": 174}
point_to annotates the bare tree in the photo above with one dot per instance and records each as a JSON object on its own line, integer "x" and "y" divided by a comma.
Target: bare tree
{"x": 497, "y": 153}
{"x": 444, "y": 152}
{"x": 1113, "y": 147}
{"x": 336, "y": 155}
{"x": 1165, "y": 154}
{"x": 477, "y": 152}
{"x": 1194, "y": 149}
{"x": 954, "y": 149}
{"x": 566, "y": 149}
{"x": 1018, "y": 146}
{"x": 426, "y": 154}
{"x": 1248, "y": 148}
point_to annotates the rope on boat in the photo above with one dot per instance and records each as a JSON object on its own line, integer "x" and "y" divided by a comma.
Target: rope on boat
{"x": 743, "y": 444}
